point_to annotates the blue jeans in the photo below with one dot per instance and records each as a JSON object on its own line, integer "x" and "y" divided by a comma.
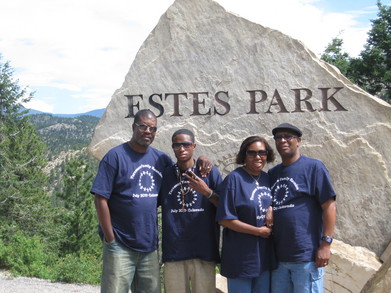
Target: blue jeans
{"x": 300, "y": 277}
{"x": 124, "y": 268}
{"x": 260, "y": 284}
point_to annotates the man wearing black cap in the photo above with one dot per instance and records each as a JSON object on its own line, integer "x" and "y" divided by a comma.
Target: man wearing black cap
{"x": 304, "y": 215}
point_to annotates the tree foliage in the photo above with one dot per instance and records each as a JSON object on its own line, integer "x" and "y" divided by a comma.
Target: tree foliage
{"x": 23, "y": 200}
{"x": 372, "y": 69}
{"x": 78, "y": 220}
{"x": 334, "y": 55}
{"x": 44, "y": 234}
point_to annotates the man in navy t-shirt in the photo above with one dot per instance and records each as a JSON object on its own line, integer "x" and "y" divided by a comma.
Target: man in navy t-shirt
{"x": 190, "y": 232}
{"x": 126, "y": 190}
{"x": 304, "y": 215}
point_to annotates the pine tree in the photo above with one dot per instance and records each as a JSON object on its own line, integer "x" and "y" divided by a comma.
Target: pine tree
{"x": 78, "y": 219}
{"x": 24, "y": 204}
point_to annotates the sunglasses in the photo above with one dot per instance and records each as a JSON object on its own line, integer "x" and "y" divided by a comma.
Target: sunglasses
{"x": 144, "y": 127}
{"x": 287, "y": 137}
{"x": 252, "y": 153}
{"x": 185, "y": 145}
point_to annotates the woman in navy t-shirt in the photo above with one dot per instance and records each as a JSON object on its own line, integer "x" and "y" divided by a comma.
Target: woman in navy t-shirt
{"x": 247, "y": 252}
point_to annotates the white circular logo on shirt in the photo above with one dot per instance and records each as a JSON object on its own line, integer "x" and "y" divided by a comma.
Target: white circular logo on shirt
{"x": 261, "y": 195}
{"x": 280, "y": 194}
{"x": 186, "y": 197}
{"x": 146, "y": 181}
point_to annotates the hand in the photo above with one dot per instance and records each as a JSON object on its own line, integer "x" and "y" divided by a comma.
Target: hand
{"x": 264, "y": 232}
{"x": 109, "y": 239}
{"x": 197, "y": 183}
{"x": 323, "y": 255}
{"x": 204, "y": 165}
{"x": 269, "y": 217}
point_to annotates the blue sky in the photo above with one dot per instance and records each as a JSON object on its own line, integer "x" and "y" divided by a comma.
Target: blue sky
{"x": 75, "y": 53}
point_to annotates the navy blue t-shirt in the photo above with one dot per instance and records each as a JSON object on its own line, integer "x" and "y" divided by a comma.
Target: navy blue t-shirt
{"x": 131, "y": 181}
{"x": 298, "y": 192}
{"x": 189, "y": 227}
{"x": 244, "y": 255}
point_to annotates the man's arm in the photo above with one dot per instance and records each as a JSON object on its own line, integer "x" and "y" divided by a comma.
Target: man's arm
{"x": 329, "y": 219}
{"x": 241, "y": 227}
{"x": 204, "y": 165}
{"x": 103, "y": 212}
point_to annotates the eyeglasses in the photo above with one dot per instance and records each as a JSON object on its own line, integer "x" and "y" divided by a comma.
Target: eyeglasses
{"x": 144, "y": 127}
{"x": 287, "y": 137}
{"x": 252, "y": 153}
{"x": 178, "y": 145}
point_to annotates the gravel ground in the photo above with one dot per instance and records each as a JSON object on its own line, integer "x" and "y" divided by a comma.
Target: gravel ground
{"x": 9, "y": 284}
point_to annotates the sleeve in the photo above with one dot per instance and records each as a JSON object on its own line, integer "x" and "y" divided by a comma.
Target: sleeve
{"x": 216, "y": 179}
{"x": 169, "y": 161}
{"x": 323, "y": 187}
{"x": 226, "y": 209}
{"x": 104, "y": 181}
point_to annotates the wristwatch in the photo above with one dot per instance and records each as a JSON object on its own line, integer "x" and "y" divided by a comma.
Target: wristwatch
{"x": 327, "y": 239}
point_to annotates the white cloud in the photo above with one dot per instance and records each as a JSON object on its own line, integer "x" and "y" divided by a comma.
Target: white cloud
{"x": 88, "y": 46}
{"x": 39, "y": 105}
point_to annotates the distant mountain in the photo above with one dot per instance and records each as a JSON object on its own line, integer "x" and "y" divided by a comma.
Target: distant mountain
{"x": 65, "y": 138}
{"x": 95, "y": 113}
{"x": 64, "y": 133}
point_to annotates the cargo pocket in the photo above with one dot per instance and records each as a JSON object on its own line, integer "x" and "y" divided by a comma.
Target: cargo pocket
{"x": 317, "y": 274}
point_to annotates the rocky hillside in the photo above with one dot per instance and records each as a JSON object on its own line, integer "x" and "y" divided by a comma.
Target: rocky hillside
{"x": 65, "y": 138}
{"x": 62, "y": 134}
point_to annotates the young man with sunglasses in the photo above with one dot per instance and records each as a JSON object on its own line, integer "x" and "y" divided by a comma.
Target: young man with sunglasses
{"x": 189, "y": 230}
{"x": 126, "y": 190}
{"x": 304, "y": 215}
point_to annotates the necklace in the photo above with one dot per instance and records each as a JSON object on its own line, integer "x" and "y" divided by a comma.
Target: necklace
{"x": 256, "y": 179}
{"x": 183, "y": 189}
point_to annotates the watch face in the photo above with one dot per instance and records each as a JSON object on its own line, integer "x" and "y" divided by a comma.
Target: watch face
{"x": 327, "y": 239}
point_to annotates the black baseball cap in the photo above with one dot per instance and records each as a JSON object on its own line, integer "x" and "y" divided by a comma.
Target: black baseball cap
{"x": 287, "y": 126}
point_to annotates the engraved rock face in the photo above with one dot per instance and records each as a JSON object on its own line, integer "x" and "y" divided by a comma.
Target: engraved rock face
{"x": 227, "y": 78}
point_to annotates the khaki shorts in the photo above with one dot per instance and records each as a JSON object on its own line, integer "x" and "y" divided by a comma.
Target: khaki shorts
{"x": 196, "y": 274}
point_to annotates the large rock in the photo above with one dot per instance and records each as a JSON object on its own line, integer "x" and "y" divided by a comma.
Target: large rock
{"x": 227, "y": 78}
{"x": 350, "y": 268}
{"x": 381, "y": 281}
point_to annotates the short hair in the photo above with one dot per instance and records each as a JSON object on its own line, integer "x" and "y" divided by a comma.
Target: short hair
{"x": 241, "y": 156}
{"x": 183, "y": 131}
{"x": 143, "y": 113}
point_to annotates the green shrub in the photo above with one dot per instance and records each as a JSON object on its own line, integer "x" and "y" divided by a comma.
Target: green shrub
{"x": 85, "y": 269}
{"x": 30, "y": 256}
{"x": 25, "y": 256}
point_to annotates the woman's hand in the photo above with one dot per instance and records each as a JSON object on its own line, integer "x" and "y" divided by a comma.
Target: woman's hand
{"x": 264, "y": 232}
{"x": 269, "y": 217}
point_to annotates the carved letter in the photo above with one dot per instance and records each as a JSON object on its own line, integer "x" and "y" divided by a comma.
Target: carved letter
{"x": 278, "y": 102}
{"x": 305, "y": 100}
{"x": 176, "y": 102}
{"x": 331, "y": 99}
{"x": 156, "y": 104}
{"x": 225, "y": 104}
{"x": 131, "y": 106}
{"x": 196, "y": 102}
{"x": 253, "y": 101}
